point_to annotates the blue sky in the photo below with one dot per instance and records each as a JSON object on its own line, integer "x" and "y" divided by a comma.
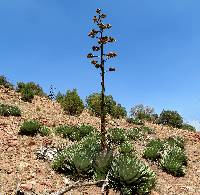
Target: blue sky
{"x": 158, "y": 43}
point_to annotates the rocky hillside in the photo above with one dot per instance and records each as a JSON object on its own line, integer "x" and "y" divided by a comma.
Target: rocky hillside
{"x": 20, "y": 168}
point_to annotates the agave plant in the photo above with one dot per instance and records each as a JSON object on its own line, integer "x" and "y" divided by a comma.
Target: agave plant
{"x": 174, "y": 161}
{"x": 130, "y": 176}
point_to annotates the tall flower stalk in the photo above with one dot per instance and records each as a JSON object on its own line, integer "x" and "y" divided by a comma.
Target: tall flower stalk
{"x": 98, "y": 59}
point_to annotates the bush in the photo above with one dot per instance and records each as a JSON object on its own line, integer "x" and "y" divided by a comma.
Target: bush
{"x": 30, "y": 127}
{"x": 130, "y": 176}
{"x": 173, "y": 161}
{"x": 27, "y": 94}
{"x": 65, "y": 131}
{"x": 31, "y": 86}
{"x": 111, "y": 107}
{"x": 135, "y": 134}
{"x": 71, "y": 102}
{"x": 148, "y": 130}
{"x": 188, "y": 127}
{"x": 116, "y": 136}
{"x": 5, "y": 83}
{"x": 135, "y": 121}
{"x": 141, "y": 112}
{"x": 7, "y": 110}
{"x": 75, "y": 133}
{"x": 118, "y": 111}
{"x": 153, "y": 149}
{"x": 60, "y": 97}
{"x": 44, "y": 131}
{"x": 171, "y": 118}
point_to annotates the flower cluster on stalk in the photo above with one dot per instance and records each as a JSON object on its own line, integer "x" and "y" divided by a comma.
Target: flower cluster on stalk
{"x": 101, "y": 40}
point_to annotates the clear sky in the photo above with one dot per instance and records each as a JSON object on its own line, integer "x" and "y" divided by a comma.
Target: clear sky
{"x": 158, "y": 43}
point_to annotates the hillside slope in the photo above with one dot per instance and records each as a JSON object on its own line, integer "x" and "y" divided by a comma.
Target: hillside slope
{"x": 21, "y": 169}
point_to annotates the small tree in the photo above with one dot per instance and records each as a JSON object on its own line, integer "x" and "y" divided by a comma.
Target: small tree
{"x": 142, "y": 112}
{"x": 71, "y": 103}
{"x": 99, "y": 60}
{"x": 171, "y": 118}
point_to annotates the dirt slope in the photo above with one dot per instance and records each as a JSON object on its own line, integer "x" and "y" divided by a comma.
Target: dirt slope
{"x": 19, "y": 167}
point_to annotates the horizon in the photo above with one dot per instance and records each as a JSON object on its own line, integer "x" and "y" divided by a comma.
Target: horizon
{"x": 158, "y": 64}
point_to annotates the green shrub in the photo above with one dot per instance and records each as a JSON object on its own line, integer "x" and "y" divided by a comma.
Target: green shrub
{"x": 27, "y": 94}
{"x": 126, "y": 148}
{"x": 4, "y": 82}
{"x": 135, "y": 134}
{"x": 30, "y": 127}
{"x": 44, "y": 131}
{"x": 60, "y": 97}
{"x": 188, "y": 127}
{"x": 153, "y": 149}
{"x": 33, "y": 87}
{"x": 116, "y": 135}
{"x": 101, "y": 165}
{"x": 118, "y": 111}
{"x": 130, "y": 176}
{"x": 29, "y": 90}
{"x": 7, "y": 110}
{"x": 171, "y": 118}
{"x": 173, "y": 161}
{"x": 65, "y": 131}
{"x": 135, "y": 121}
{"x": 71, "y": 102}
{"x": 148, "y": 130}
{"x": 143, "y": 113}
{"x": 111, "y": 107}
{"x": 75, "y": 133}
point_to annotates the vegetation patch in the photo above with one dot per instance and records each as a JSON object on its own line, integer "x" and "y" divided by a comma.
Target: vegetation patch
{"x": 126, "y": 148}
{"x": 125, "y": 172}
{"x": 153, "y": 149}
{"x": 44, "y": 131}
{"x": 30, "y": 127}
{"x": 75, "y": 133}
{"x": 7, "y": 110}
{"x": 71, "y": 103}
{"x": 170, "y": 118}
{"x": 130, "y": 176}
{"x": 135, "y": 133}
{"x": 174, "y": 161}
{"x": 77, "y": 160}
{"x": 4, "y": 82}
{"x": 175, "y": 141}
{"x": 135, "y": 121}
{"x": 111, "y": 107}
{"x": 169, "y": 153}
{"x": 188, "y": 127}
{"x": 116, "y": 136}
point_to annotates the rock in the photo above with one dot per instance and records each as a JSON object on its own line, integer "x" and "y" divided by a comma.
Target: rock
{"x": 27, "y": 186}
{"x": 46, "y": 183}
{"x": 13, "y": 143}
{"x": 31, "y": 143}
{"x": 154, "y": 192}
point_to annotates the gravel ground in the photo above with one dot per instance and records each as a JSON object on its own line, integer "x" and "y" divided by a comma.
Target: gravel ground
{"x": 20, "y": 168}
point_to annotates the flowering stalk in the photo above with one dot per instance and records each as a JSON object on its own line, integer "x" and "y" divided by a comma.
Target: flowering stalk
{"x": 99, "y": 62}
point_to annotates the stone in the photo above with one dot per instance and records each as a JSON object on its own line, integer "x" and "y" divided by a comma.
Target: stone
{"x": 13, "y": 143}
{"x": 27, "y": 186}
